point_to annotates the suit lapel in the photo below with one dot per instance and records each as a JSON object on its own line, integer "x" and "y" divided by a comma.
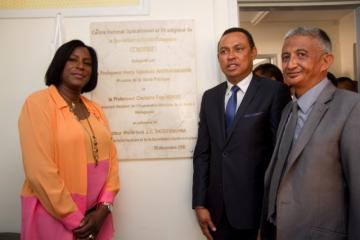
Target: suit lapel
{"x": 282, "y": 124}
{"x": 220, "y": 106}
{"x": 248, "y": 97}
{"x": 311, "y": 123}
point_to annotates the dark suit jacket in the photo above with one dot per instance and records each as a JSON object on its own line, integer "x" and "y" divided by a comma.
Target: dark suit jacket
{"x": 229, "y": 171}
{"x": 319, "y": 194}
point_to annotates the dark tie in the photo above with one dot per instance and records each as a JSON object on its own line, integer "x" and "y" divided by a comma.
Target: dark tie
{"x": 230, "y": 110}
{"x": 282, "y": 155}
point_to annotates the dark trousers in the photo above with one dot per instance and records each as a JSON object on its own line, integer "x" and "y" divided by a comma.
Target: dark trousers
{"x": 268, "y": 231}
{"x": 224, "y": 231}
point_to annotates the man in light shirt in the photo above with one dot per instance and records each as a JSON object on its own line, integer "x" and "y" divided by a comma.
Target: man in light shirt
{"x": 312, "y": 185}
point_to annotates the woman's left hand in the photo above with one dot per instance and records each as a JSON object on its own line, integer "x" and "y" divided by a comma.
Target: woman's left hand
{"x": 91, "y": 224}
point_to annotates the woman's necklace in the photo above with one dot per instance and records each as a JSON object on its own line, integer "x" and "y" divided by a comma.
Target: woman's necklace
{"x": 72, "y": 107}
{"x": 80, "y": 113}
{"x": 94, "y": 143}
{"x": 91, "y": 133}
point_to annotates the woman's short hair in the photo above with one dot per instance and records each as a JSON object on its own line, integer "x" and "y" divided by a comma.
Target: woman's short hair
{"x": 54, "y": 72}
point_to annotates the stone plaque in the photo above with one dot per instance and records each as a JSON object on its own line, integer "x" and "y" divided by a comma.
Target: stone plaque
{"x": 147, "y": 87}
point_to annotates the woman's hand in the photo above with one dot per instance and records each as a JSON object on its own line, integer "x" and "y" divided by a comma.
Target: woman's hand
{"x": 91, "y": 224}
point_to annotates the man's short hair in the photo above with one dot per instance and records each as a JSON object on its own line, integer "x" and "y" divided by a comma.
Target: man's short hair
{"x": 241, "y": 30}
{"x": 313, "y": 32}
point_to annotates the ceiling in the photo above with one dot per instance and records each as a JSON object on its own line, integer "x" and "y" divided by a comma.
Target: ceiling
{"x": 256, "y": 17}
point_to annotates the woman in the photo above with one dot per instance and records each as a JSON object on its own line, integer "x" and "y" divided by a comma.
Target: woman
{"x": 69, "y": 158}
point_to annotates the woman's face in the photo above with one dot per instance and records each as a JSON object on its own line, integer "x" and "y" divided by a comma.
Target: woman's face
{"x": 77, "y": 69}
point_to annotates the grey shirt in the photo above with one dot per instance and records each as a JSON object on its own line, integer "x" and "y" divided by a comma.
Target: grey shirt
{"x": 306, "y": 103}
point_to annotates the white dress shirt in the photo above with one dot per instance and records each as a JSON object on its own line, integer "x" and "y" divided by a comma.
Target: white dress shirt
{"x": 243, "y": 85}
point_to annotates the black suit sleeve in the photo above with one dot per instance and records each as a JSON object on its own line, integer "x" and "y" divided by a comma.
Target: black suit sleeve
{"x": 201, "y": 159}
{"x": 281, "y": 98}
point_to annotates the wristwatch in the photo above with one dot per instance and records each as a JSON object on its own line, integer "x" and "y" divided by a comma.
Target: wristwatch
{"x": 108, "y": 205}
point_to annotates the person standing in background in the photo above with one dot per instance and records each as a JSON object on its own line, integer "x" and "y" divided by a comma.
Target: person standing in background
{"x": 71, "y": 170}
{"x": 269, "y": 70}
{"x": 346, "y": 83}
{"x": 312, "y": 185}
{"x": 236, "y": 137}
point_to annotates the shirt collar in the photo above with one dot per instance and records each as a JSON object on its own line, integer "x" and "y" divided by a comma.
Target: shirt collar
{"x": 243, "y": 84}
{"x": 60, "y": 102}
{"x": 308, "y": 99}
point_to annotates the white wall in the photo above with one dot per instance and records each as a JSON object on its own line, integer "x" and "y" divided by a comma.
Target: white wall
{"x": 23, "y": 58}
{"x": 346, "y": 42}
{"x": 155, "y": 198}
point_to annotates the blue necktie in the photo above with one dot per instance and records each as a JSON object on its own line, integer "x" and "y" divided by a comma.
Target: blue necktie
{"x": 230, "y": 110}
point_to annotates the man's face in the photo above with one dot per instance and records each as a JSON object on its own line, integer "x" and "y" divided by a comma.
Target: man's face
{"x": 304, "y": 62}
{"x": 235, "y": 56}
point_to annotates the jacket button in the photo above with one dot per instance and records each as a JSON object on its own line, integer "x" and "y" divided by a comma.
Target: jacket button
{"x": 224, "y": 154}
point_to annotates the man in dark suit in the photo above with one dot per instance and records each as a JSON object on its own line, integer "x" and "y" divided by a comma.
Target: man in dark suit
{"x": 312, "y": 185}
{"x": 238, "y": 123}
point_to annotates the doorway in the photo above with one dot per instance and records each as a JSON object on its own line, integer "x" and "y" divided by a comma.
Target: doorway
{"x": 268, "y": 25}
